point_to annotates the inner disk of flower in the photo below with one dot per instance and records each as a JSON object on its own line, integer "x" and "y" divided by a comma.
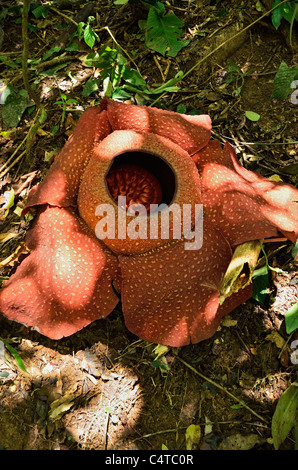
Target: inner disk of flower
{"x": 142, "y": 177}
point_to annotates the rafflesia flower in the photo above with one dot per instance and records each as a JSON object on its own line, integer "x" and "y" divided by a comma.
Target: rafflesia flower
{"x": 86, "y": 245}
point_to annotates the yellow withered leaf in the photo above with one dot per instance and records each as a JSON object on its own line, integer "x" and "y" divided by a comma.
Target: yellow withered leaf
{"x": 241, "y": 268}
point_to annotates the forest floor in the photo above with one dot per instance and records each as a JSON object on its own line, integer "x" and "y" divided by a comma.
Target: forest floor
{"x": 104, "y": 388}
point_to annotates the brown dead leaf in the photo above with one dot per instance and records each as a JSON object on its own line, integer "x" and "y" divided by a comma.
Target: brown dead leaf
{"x": 13, "y": 258}
{"x": 239, "y": 442}
{"x": 277, "y": 339}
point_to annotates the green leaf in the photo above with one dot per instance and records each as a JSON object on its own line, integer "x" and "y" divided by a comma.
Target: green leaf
{"x": 103, "y": 59}
{"x": 73, "y": 47}
{"x": 238, "y": 406}
{"x": 120, "y": 2}
{"x": 15, "y": 354}
{"x": 4, "y": 374}
{"x": 89, "y": 36}
{"x": 276, "y": 14}
{"x": 41, "y": 10}
{"x": 169, "y": 85}
{"x": 288, "y": 11}
{"x": 232, "y": 67}
{"x": 290, "y": 169}
{"x": 295, "y": 249}
{"x": 90, "y": 86}
{"x": 133, "y": 77}
{"x": 282, "y": 81}
{"x": 71, "y": 100}
{"x": 80, "y": 29}
{"x": 120, "y": 94}
{"x": 163, "y": 32}
{"x": 291, "y": 318}
{"x": 252, "y": 116}
{"x": 260, "y": 279}
{"x": 181, "y": 108}
{"x": 285, "y": 415}
{"x": 13, "y": 109}
{"x": 107, "y": 87}
{"x": 50, "y": 52}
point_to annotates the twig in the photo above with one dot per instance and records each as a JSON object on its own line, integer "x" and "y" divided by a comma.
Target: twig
{"x": 221, "y": 388}
{"x": 122, "y": 49}
{"x": 12, "y": 156}
{"x": 31, "y": 134}
{"x": 25, "y": 53}
{"x": 13, "y": 163}
{"x": 68, "y": 18}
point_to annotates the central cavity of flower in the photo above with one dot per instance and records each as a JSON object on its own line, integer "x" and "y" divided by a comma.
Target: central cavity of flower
{"x": 139, "y": 185}
{"x": 150, "y": 210}
{"x": 141, "y": 177}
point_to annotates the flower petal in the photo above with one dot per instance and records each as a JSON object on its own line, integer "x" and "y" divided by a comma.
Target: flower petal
{"x": 279, "y": 200}
{"x": 190, "y": 132}
{"x": 61, "y": 183}
{"x": 65, "y": 282}
{"x": 244, "y": 205}
{"x": 171, "y": 295}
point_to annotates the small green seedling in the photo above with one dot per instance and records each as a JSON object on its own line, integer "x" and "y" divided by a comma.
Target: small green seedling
{"x": 64, "y": 102}
{"x": 14, "y": 353}
{"x": 86, "y": 32}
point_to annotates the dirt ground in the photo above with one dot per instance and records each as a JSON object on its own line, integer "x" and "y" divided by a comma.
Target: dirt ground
{"x": 104, "y": 388}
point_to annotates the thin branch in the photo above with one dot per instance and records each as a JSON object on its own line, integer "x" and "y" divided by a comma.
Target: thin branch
{"x": 25, "y": 53}
{"x": 221, "y": 388}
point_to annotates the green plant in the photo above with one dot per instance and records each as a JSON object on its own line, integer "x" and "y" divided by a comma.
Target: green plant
{"x": 252, "y": 116}
{"x": 285, "y": 416}
{"x": 283, "y": 80}
{"x": 235, "y": 74}
{"x": 118, "y": 79}
{"x": 291, "y": 318}
{"x": 64, "y": 102}
{"x": 86, "y": 32}
{"x": 14, "y": 353}
{"x": 288, "y": 11}
{"x": 261, "y": 279}
{"x": 162, "y": 29}
{"x": 15, "y": 103}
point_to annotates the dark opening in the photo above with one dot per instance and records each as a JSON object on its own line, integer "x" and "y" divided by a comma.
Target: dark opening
{"x": 156, "y": 165}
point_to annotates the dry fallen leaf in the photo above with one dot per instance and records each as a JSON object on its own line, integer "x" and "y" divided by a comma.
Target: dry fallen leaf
{"x": 239, "y": 442}
{"x": 277, "y": 339}
{"x": 192, "y": 436}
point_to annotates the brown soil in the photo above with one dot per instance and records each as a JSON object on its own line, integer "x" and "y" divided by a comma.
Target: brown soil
{"x": 104, "y": 388}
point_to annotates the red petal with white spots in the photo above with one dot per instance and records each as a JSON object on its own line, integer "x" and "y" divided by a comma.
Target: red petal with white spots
{"x": 190, "y": 132}
{"x": 279, "y": 201}
{"x": 242, "y": 204}
{"x": 61, "y": 185}
{"x": 170, "y": 295}
{"x": 65, "y": 282}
